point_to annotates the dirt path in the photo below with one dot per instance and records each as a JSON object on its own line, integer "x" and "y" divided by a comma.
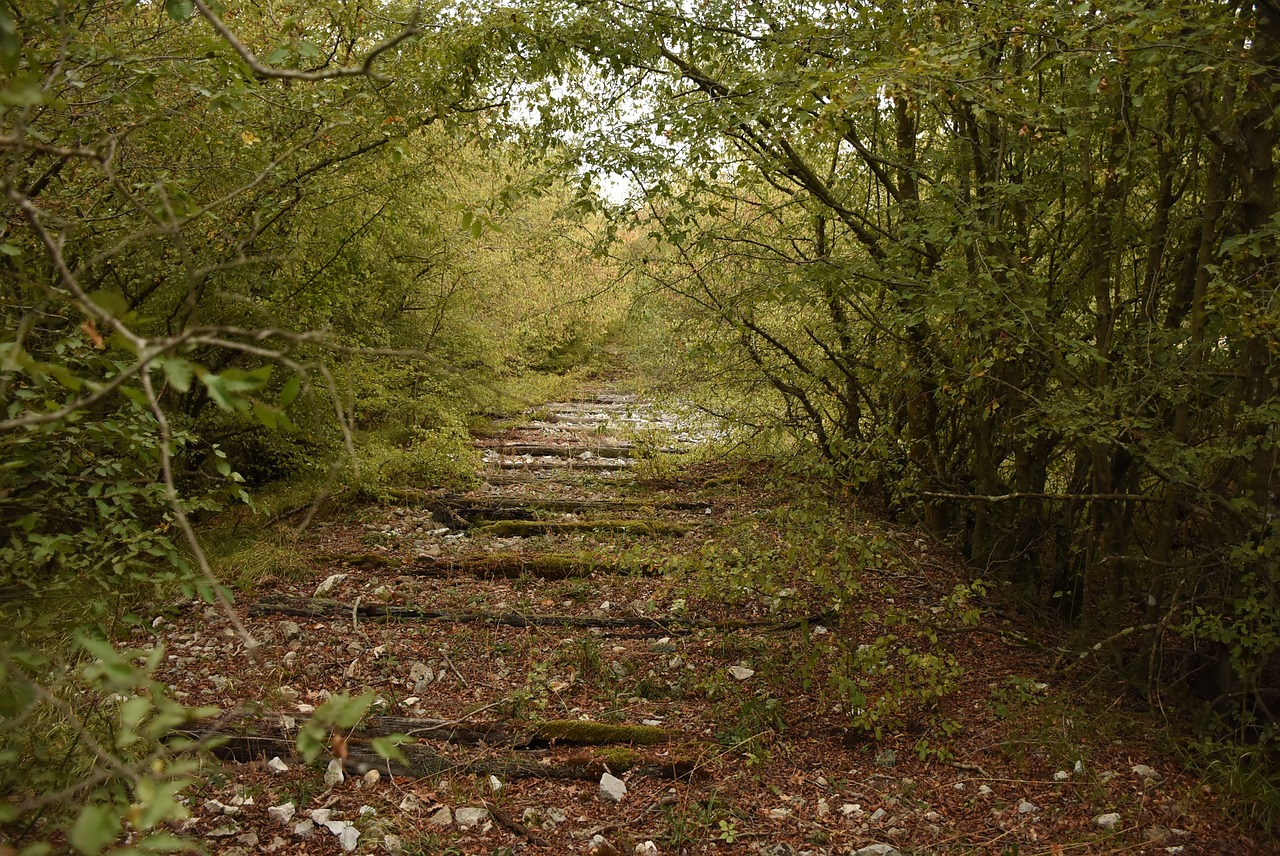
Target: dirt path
{"x": 576, "y": 618}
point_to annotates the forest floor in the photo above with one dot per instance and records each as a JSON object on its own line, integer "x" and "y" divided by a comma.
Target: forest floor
{"x": 580, "y": 587}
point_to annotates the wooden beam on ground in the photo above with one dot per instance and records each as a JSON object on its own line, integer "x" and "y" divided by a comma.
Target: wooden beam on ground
{"x": 308, "y": 607}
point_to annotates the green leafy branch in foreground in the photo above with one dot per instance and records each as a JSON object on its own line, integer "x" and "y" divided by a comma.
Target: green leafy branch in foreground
{"x": 116, "y": 759}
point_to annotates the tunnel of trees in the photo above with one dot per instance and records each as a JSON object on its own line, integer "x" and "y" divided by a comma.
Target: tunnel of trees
{"x": 1007, "y": 271}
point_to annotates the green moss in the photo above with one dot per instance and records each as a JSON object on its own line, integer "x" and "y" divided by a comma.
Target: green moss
{"x": 581, "y": 733}
{"x": 529, "y": 528}
{"x": 619, "y": 760}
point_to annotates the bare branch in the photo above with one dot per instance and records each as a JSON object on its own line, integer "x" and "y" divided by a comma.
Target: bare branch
{"x": 180, "y": 516}
{"x": 365, "y": 69}
{"x": 18, "y": 143}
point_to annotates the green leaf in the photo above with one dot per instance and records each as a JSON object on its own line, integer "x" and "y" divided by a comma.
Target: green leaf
{"x": 113, "y": 302}
{"x": 290, "y": 391}
{"x": 344, "y": 711}
{"x": 133, "y": 711}
{"x": 267, "y": 415}
{"x": 96, "y": 827}
{"x": 179, "y": 373}
{"x": 388, "y": 747}
{"x": 179, "y": 10}
{"x": 311, "y": 741}
{"x": 10, "y": 52}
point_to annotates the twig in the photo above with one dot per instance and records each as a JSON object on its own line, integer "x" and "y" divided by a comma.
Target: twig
{"x": 970, "y": 768}
{"x": 1060, "y": 497}
{"x": 13, "y": 142}
{"x": 180, "y": 515}
{"x": 462, "y": 680}
{"x": 514, "y": 826}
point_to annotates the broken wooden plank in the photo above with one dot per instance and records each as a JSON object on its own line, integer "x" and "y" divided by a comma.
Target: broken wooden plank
{"x": 567, "y": 450}
{"x": 479, "y": 505}
{"x": 308, "y": 607}
{"x": 515, "y": 735}
{"x": 510, "y": 566}
{"x": 459, "y": 510}
{"x": 561, "y": 464}
{"x": 530, "y": 528}
{"x": 420, "y": 761}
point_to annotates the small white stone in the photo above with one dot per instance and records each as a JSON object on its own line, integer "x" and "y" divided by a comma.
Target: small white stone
{"x": 779, "y": 813}
{"x": 371, "y": 778}
{"x": 348, "y": 838}
{"x": 471, "y": 816}
{"x": 321, "y": 815}
{"x": 411, "y": 802}
{"x": 337, "y": 827}
{"x": 1078, "y": 769}
{"x": 1061, "y": 776}
{"x": 612, "y": 788}
{"x": 1026, "y": 807}
{"x": 304, "y": 828}
{"x": 327, "y": 586}
{"x": 393, "y": 844}
{"x": 282, "y": 813}
{"x": 741, "y": 673}
{"x": 647, "y": 849}
{"x": 984, "y": 791}
{"x": 441, "y": 817}
{"x": 959, "y": 786}
{"x": 876, "y": 850}
{"x": 275, "y": 765}
{"x": 1110, "y": 820}
{"x": 333, "y": 775}
{"x": 1144, "y": 771}
{"x": 495, "y": 784}
{"x": 877, "y": 816}
{"x": 850, "y": 809}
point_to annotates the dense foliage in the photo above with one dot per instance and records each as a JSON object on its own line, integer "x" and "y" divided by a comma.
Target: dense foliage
{"x": 1010, "y": 268}
{"x": 1013, "y": 270}
{"x": 236, "y": 242}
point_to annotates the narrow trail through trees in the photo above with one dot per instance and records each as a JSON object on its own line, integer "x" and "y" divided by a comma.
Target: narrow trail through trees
{"x": 575, "y": 677}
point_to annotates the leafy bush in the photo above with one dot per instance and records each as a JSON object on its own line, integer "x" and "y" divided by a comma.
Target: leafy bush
{"x": 430, "y": 458}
